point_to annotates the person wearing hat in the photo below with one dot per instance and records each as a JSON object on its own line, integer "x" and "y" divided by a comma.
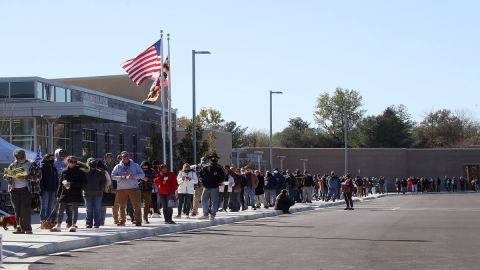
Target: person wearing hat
{"x": 146, "y": 186}
{"x": 23, "y": 179}
{"x": 127, "y": 173}
{"x": 187, "y": 179}
{"x": 211, "y": 177}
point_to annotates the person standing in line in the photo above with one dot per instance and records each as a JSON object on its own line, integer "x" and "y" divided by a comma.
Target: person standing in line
{"x": 227, "y": 189}
{"x": 146, "y": 185}
{"x": 260, "y": 190}
{"x": 347, "y": 190}
{"x": 48, "y": 186}
{"x": 108, "y": 199}
{"x": 211, "y": 177}
{"x": 127, "y": 173}
{"x": 270, "y": 188}
{"x": 93, "y": 193}
{"x": 186, "y": 179}
{"x": 398, "y": 185}
{"x": 251, "y": 182}
{"x": 109, "y": 164}
{"x": 307, "y": 189}
{"x": 166, "y": 182}
{"x": 60, "y": 165}
{"x": 359, "y": 183}
{"x": 439, "y": 184}
{"x": 155, "y": 211}
{"x": 72, "y": 181}
{"x": 236, "y": 187}
{"x": 23, "y": 179}
{"x": 333, "y": 185}
{"x": 198, "y": 187}
{"x": 280, "y": 183}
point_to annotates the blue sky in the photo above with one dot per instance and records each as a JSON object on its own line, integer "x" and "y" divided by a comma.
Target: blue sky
{"x": 423, "y": 54}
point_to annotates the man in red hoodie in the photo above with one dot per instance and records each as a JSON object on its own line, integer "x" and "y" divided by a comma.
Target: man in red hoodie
{"x": 166, "y": 183}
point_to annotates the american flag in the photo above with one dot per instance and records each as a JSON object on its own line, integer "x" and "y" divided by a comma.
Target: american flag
{"x": 145, "y": 64}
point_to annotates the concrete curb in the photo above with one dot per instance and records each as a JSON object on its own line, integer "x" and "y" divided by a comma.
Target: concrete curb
{"x": 133, "y": 234}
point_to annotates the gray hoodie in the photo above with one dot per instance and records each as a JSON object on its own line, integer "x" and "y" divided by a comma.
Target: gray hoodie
{"x": 59, "y": 164}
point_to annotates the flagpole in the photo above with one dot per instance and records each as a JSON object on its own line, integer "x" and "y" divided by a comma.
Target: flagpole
{"x": 170, "y": 127}
{"x": 162, "y": 99}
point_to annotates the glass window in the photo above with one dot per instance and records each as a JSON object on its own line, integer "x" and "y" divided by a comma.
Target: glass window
{"x": 59, "y": 130}
{"x": 89, "y": 143}
{"x": 59, "y": 94}
{"x": 134, "y": 141}
{"x": 3, "y": 90}
{"x": 121, "y": 142}
{"x": 25, "y": 142}
{"x": 38, "y": 90}
{"x": 5, "y": 127}
{"x": 48, "y": 92}
{"x": 106, "y": 136}
{"x": 22, "y": 127}
{"x": 22, "y": 90}
{"x": 68, "y": 95}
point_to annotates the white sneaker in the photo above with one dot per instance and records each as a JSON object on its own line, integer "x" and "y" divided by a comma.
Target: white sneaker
{"x": 155, "y": 215}
{"x": 203, "y": 217}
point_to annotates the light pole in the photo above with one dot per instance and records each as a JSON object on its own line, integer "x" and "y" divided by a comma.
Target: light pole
{"x": 259, "y": 153}
{"x": 194, "y": 132}
{"x": 346, "y": 141}
{"x": 304, "y": 160}
{"x": 282, "y": 158}
{"x": 270, "y": 141}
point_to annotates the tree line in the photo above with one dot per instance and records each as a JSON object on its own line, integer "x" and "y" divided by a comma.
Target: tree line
{"x": 393, "y": 128}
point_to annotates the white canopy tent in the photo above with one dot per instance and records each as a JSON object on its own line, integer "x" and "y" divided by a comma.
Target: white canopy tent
{"x": 6, "y": 152}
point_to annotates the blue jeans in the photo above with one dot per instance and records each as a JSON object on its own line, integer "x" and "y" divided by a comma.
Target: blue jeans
{"x": 270, "y": 193}
{"x": 184, "y": 203}
{"x": 94, "y": 210}
{"x": 210, "y": 201}
{"x": 333, "y": 193}
{"x": 48, "y": 201}
{"x": 249, "y": 193}
{"x": 292, "y": 194}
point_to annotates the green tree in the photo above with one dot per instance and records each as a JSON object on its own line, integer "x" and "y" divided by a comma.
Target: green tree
{"x": 331, "y": 110}
{"x": 391, "y": 129}
{"x": 257, "y": 138}
{"x": 184, "y": 148}
{"x": 441, "y": 129}
{"x": 239, "y": 138}
{"x": 210, "y": 118}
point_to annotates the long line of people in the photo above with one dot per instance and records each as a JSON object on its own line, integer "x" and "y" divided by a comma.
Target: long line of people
{"x": 64, "y": 184}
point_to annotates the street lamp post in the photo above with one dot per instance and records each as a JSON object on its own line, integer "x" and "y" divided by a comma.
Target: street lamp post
{"x": 194, "y": 132}
{"x": 270, "y": 141}
{"x": 281, "y": 161}
{"x": 259, "y": 153}
{"x": 304, "y": 160}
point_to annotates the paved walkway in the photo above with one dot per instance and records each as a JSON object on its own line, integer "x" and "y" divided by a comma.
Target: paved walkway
{"x": 43, "y": 242}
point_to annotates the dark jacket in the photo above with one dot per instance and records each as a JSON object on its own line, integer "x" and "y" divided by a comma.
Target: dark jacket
{"x": 283, "y": 202}
{"x": 77, "y": 179}
{"x": 212, "y": 175}
{"x": 150, "y": 174}
{"x": 95, "y": 183}
{"x": 259, "y": 190}
{"x": 308, "y": 181}
{"x": 271, "y": 181}
{"x": 292, "y": 182}
{"x": 49, "y": 181}
{"x": 280, "y": 181}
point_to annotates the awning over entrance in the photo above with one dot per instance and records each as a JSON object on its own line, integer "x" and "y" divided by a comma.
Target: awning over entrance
{"x": 75, "y": 109}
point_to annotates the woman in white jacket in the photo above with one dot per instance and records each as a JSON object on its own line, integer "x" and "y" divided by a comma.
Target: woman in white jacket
{"x": 187, "y": 179}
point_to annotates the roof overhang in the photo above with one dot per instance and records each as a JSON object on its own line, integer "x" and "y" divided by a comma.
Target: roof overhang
{"x": 74, "y": 109}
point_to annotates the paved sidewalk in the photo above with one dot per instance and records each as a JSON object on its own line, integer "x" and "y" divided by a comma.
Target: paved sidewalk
{"x": 43, "y": 242}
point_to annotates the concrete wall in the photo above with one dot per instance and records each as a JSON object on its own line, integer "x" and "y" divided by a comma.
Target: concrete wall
{"x": 390, "y": 163}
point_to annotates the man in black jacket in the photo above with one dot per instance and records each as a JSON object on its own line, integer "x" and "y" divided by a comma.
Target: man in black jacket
{"x": 211, "y": 177}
